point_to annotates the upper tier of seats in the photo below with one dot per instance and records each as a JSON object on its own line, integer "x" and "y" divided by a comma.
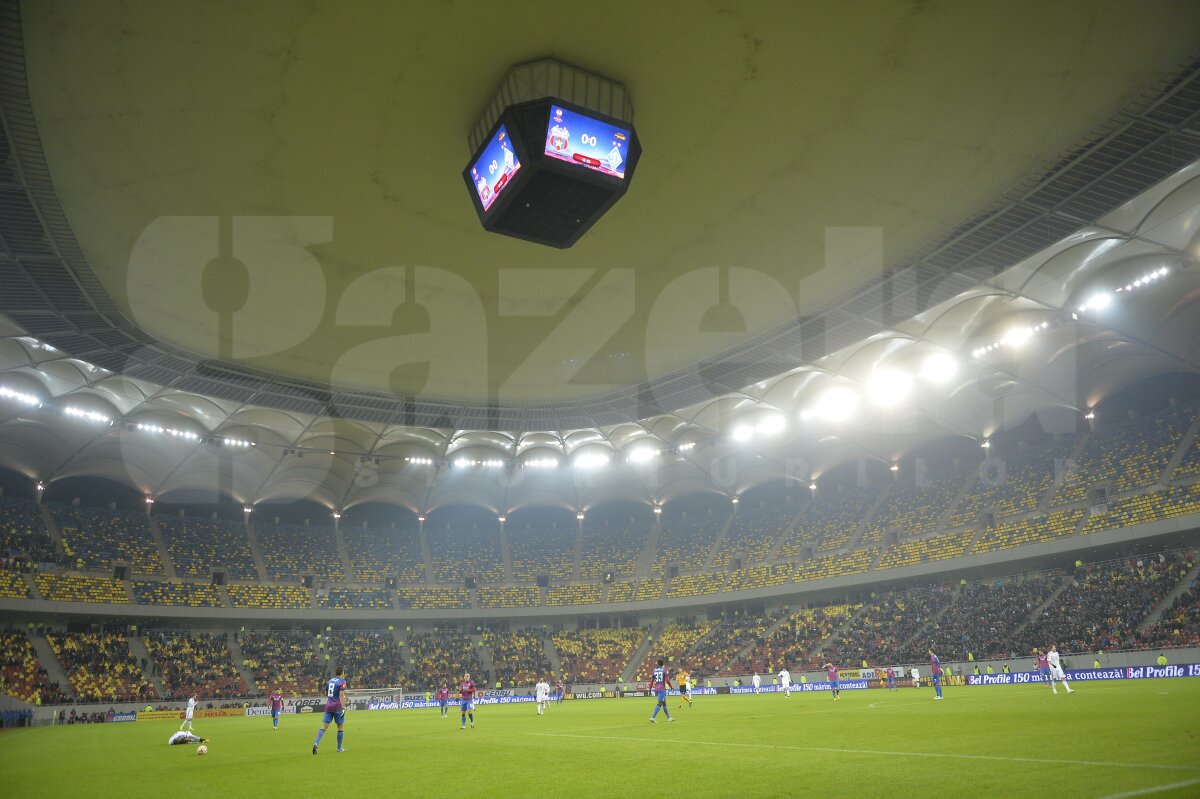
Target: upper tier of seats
{"x": 198, "y": 546}
{"x": 95, "y": 539}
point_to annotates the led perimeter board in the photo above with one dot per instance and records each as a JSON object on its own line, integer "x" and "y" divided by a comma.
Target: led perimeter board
{"x": 548, "y": 170}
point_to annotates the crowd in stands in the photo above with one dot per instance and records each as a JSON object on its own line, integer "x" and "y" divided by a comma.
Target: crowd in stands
{"x": 195, "y": 664}
{"x": 788, "y": 646}
{"x": 1180, "y": 623}
{"x": 727, "y": 640}
{"x": 596, "y": 656}
{"x": 24, "y": 543}
{"x": 197, "y": 546}
{"x": 518, "y": 658}
{"x": 880, "y": 634}
{"x": 442, "y": 658}
{"x": 22, "y": 674}
{"x": 283, "y": 660}
{"x": 12, "y": 586}
{"x": 1105, "y": 602}
{"x": 94, "y": 539}
{"x": 984, "y": 619}
{"x": 100, "y": 667}
{"x": 672, "y": 646}
{"x": 371, "y": 658}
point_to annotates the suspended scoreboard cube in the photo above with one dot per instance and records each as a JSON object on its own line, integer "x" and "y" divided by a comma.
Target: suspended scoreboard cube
{"x": 554, "y": 151}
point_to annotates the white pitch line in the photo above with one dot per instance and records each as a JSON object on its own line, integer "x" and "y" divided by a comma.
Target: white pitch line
{"x": 1155, "y": 789}
{"x": 949, "y": 755}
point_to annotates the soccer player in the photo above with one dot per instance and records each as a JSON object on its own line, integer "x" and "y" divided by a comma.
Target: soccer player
{"x": 1056, "y": 671}
{"x": 785, "y": 679}
{"x": 187, "y": 714}
{"x": 757, "y": 681}
{"x": 443, "y": 698}
{"x": 182, "y": 737}
{"x": 542, "y": 689}
{"x": 831, "y": 671}
{"x": 559, "y": 690}
{"x": 891, "y": 678}
{"x": 682, "y": 683}
{"x": 276, "y": 700}
{"x": 935, "y": 666}
{"x": 466, "y": 696}
{"x": 335, "y": 708}
{"x": 660, "y": 681}
{"x": 1043, "y": 667}
{"x": 916, "y": 677}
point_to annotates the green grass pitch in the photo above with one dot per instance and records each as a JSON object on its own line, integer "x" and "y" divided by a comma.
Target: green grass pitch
{"x": 1106, "y": 740}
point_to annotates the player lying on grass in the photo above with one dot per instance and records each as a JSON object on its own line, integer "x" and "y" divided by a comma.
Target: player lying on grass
{"x": 185, "y": 737}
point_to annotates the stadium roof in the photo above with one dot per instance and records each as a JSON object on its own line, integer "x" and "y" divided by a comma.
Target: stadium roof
{"x": 840, "y": 169}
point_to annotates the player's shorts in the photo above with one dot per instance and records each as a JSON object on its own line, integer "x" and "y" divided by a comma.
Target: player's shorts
{"x": 188, "y": 715}
{"x": 937, "y": 678}
{"x": 467, "y": 706}
{"x": 1045, "y": 673}
{"x": 661, "y": 695}
{"x": 337, "y": 717}
{"x": 275, "y": 713}
{"x": 442, "y": 702}
{"x": 891, "y": 681}
{"x": 833, "y": 685}
{"x": 1057, "y": 674}
{"x": 787, "y": 685}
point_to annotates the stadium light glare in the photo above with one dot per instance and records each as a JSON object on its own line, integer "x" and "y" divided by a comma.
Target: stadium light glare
{"x": 889, "y": 387}
{"x": 837, "y": 404}
{"x": 938, "y": 367}
{"x": 19, "y": 396}
{"x": 591, "y": 460}
{"x": 1090, "y": 415}
{"x": 336, "y": 515}
{"x": 642, "y": 454}
{"x": 149, "y": 501}
{"x": 41, "y": 487}
{"x": 1097, "y": 302}
{"x": 657, "y": 510}
{"x": 771, "y": 425}
{"x": 986, "y": 444}
{"x": 421, "y": 519}
{"x": 90, "y": 416}
{"x": 813, "y": 485}
{"x": 579, "y": 516}
{"x": 502, "y": 519}
{"x": 247, "y": 510}
{"x": 743, "y": 432}
{"x": 895, "y": 467}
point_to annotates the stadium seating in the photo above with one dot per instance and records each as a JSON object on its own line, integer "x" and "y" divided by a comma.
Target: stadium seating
{"x": 1105, "y": 602}
{"x": 520, "y": 596}
{"x": 94, "y": 539}
{"x": 197, "y": 546}
{"x": 984, "y": 618}
{"x": 686, "y": 542}
{"x": 915, "y": 510}
{"x": 371, "y": 659}
{"x": 624, "y": 591}
{"x": 518, "y": 657}
{"x": 22, "y": 674}
{"x": 376, "y": 553}
{"x": 611, "y": 548}
{"x": 170, "y": 592}
{"x": 854, "y": 562}
{"x": 754, "y": 530}
{"x": 924, "y": 550}
{"x": 880, "y": 633}
{"x": 829, "y": 521}
{"x": 283, "y": 661}
{"x": 355, "y": 599}
{"x": 696, "y": 584}
{"x": 596, "y": 656}
{"x": 1125, "y": 454}
{"x": 433, "y": 598}
{"x": 442, "y": 658}
{"x": 459, "y": 553}
{"x": 290, "y": 550}
{"x": 542, "y": 551}
{"x": 195, "y": 664}
{"x": 276, "y": 597}
{"x": 100, "y": 667}
{"x": 1019, "y": 532}
{"x": 650, "y": 588}
{"x": 23, "y": 533}
{"x": 12, "y": 586}
{"x": 760, "y": 576}
{"x": 671, "y": 646}
{"x": 1144, "y": 508}
{"x": 1012, "y": 484}
{"x": 591, "y": 593}
{"x": 729, "y": 637}
{"x": 76, "y": 588}
{"x": 788, "y": 646}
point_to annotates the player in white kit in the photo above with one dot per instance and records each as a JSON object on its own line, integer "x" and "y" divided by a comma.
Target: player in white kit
{"x": 1056, "y": 671}
{"x": 187, "y": 714}
{"x": 542, "y": 689}
{"x": 785, "y": 679}
{"x": 916, "y": 677}
{"x": 757, "y": 681}
{"x": 181, "y": 737}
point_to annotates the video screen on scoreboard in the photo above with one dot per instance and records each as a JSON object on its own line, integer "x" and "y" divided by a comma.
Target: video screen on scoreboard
{"x": 582, "y": 140}
{"x": 495, "y": 168}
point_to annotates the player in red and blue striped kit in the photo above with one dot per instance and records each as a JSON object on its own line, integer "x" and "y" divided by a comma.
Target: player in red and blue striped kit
{"x": 335, "y": 708}
{"x": 835, "y": 685}
{"x": 936, "y": 666}
{"x": 659, "y": 683}
{"x": 466, "y": 693}
{"x": 276, "y": 700}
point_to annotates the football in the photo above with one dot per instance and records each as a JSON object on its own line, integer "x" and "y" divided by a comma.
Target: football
{"x": 202, "y": 749}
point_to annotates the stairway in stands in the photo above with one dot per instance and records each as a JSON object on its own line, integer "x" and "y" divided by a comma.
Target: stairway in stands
{"x": 54, "y": 669}
{"x": 239, "y": 659}
{"x": 163, "y": 554}
{"x": 639, "y": 654}
{"x": 137, "y": 647}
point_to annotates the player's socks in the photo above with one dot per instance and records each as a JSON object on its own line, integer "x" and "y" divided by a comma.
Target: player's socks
{"x": 320, "y": 735}
{"x": 341, "y": 734}
{"x": 464, "y": 721}
{"x": 654, "y": 715}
